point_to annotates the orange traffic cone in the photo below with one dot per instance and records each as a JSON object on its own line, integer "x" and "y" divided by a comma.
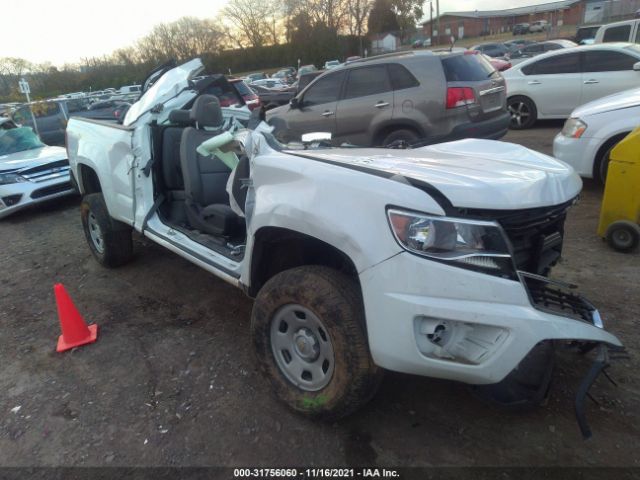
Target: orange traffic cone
{"x": 74, "y": 331}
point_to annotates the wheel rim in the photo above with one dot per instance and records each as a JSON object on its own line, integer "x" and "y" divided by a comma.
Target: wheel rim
{"x": 95, "y": 233}
{"x": 520, "y": 113}
{"x": 622, "y": 238}
{"x": 302, "y": 347}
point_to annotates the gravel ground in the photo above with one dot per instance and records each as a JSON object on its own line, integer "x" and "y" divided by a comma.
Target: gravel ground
{"x": 172, "y": 379}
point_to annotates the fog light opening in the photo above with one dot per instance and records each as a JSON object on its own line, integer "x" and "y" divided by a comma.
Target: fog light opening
{"x": 462, "y": 342}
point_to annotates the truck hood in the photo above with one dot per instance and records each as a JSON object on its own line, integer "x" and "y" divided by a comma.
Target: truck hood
{"x": 617, "y": 101}
{"x": 31, "y": 158}
{"x": 472, "y": 173}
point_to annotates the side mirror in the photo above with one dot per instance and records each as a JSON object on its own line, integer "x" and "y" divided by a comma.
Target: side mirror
{"x": 636, "y": 67}
{"x": 294, "y": 102}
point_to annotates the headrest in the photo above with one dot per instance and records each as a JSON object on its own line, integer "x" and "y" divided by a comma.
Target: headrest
{"x": 181, "y": 117}
{"x": 206, "y": 112}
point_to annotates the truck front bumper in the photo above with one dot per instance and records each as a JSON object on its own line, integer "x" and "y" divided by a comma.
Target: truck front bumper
{"x": 436, "y": 320}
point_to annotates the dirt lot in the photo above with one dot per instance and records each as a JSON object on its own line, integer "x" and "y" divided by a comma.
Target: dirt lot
{"x": 172, "y": 379}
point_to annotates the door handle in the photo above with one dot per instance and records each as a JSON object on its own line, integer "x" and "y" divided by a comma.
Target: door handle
{"x": 534, "y": 82}
{"x": 590, "y": 82}
{"x": 328, "y": 113}
{"x": 381, "y": 104}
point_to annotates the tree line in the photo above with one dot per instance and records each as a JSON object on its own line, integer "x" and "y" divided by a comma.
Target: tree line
{"x": 246, "y": 35}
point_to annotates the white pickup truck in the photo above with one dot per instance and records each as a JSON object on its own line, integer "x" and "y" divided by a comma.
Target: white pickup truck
{"x": 430, "y": 261}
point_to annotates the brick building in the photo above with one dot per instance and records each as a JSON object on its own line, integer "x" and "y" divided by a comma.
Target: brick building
{"x": 477, "y": 23}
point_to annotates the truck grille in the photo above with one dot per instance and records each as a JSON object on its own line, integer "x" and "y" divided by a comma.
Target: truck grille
{"x": 49, "y": 171}
{"x": 536, "y": 234}
{"x": 557, "y": 298}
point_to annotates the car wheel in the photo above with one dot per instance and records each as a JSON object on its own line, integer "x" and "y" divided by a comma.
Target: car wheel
{"x": 401, "y": 135}
{"x": 601, "y": 166}
{"x": 523, "y": 112}
{"x": 109, "y": 240}
{"x": 623, "y": 236}
{"x": 309, "y": 334}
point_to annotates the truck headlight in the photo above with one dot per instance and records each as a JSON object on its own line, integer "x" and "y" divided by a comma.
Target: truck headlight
{"x": 8, "y": 178}
{"x": 574, "y": 128}
{"x": 473, "y": 244}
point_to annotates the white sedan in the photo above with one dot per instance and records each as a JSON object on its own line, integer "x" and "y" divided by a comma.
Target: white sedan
{"x": 30, "y": 172}
{"x": 553, "y": 84}
{"x": 594, "y": 129}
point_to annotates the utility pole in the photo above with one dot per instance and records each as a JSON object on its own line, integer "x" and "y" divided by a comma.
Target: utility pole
{"x": 430, "y": 23}
{"x": 24, "y": 87}
{"x": 438, "y": 20}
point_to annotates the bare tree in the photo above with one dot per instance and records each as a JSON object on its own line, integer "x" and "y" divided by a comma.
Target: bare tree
{"x": 185, "y": 38}
{"x": 256, "y": 20}
{"x": 358, "y": 13}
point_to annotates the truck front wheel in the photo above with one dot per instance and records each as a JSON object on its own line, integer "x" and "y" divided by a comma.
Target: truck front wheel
{"x": 309, "y": 334}
{"x": 109, "y": 240}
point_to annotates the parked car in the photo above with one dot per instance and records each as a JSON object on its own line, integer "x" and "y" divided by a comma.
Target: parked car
{"x": 252, "y": 77}
{"x": 430, "y": 261}
{"x": 353, "y": 58}
{"x": 539, "y": 26}
{"x": 129, "y": 89}
{"x": 492, "y": 49}
{"x": 108, "y": 110}
{"x": 272, "y": 98}
{"x": 552, "y": 85}
{"x": 51, "y": 117}
{"x": 30, "y": 171}
{"x": 593, "y": 129}
{"x": 329, "y": 64}
{"x": 305, "y": 69}
{"x": 535, "y": 49}
{"x": 518, "y": 44}
{"x": 626, "y": 31}
{"x": 251, "y": 99}
{"x": 521, "y": 29}
{"x": 285, "y": 75}
{"x": 270, "y": 83}
{"x": 586, "y": 34}
{"x": 374, "y": 101}
{"x": 497, "y": 63}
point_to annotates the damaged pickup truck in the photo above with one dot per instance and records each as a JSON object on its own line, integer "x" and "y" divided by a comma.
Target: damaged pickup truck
{"x": 431, "y": 261}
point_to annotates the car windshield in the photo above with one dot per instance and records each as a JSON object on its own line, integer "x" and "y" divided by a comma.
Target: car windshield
{"x": 18, "y": 140}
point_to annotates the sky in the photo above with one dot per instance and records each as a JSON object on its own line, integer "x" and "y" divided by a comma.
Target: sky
{"x": 65, "y": 31}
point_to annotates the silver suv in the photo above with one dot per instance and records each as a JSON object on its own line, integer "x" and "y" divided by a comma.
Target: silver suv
{"x": 417, "y": 97}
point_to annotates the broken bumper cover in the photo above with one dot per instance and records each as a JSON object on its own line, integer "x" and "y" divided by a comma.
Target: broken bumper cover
{"x": 604, "y": 355}
{"x": 431, "y": 319}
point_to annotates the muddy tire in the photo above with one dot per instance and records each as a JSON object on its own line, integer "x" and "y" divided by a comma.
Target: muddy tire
{"x": 309, "y": 334}
{"x": 109, "y": 240}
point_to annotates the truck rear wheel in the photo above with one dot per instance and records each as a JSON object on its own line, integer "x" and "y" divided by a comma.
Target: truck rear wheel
{"x": 309, "y": 334}
{"x": 109, "y": 240}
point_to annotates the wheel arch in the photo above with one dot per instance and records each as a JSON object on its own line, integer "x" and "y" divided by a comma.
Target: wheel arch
{"x": 602, "y": 150}
{"x": 276, "y": 249}
{"x": 405, "y": 124}
{"x": 88, "y": 180}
